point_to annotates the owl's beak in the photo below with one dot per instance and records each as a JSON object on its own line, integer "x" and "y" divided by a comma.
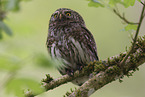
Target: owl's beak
{"x": 60, "y": 16}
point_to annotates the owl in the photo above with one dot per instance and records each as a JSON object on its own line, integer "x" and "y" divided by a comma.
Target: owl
{"x": 70, "y": 43}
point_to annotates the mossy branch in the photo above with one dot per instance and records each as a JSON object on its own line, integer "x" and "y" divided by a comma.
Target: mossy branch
{"x": 113, "y": 72}
{"x": 107, "y": 71}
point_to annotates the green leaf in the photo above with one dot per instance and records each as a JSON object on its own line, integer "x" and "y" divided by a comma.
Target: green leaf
{"x": 6, "y": 29}
{"x": 112, "y": 3}
{"x": 13, "y": 5}
{"x": 128, "y": 3}
{"x": 43, "y": 61}
{"x": 130, "y": 27}
{"x": 0, "y": 34}
{"x": 8, "y": 64}
{"x": 17, "y": 86}
{"x": 125, "y": 3}
{"x": 95, "y": 3}
{"x": 139, "y": 0}
{"x": 27, "y": 0}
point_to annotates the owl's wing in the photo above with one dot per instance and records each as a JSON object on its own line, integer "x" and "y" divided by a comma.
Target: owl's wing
{"x": 89, "y": 42}
{"x": 84, "y": 46}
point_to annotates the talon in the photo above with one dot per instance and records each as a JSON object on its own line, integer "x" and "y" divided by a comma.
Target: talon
{"x": 70, "y": 72}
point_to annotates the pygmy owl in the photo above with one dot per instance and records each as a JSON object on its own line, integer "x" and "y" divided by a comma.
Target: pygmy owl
{"x": 70, "y": 42}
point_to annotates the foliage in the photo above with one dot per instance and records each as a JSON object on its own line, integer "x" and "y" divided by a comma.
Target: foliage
{"x": 130, "y": 27}
{"x": 5, "y": 7}
{"x": 42, "y": 61}
{"x": 111, "y": 3}
{"x": 5, "y": 28}
{"x": 18, "y": 85}
{"x": 9, "y": 64}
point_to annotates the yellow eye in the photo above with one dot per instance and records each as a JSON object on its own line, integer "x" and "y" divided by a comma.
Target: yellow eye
{"x": 55, "y": 16}
{"x": 68, "y": 14}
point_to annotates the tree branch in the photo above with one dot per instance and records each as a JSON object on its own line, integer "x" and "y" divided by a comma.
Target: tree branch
{"x": 112, "y": 73}
{"x": 107, "y": 71}
{"x": 49, "y": 83}
{"x": 123, "y": 18}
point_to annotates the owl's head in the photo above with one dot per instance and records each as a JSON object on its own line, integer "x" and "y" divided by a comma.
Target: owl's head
{"x": 65, "y": 16}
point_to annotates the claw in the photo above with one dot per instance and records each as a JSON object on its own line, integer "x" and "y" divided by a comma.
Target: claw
{"x": 70, "y": 72}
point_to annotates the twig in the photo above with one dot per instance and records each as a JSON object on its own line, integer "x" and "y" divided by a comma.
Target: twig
{"x": 135, "y": 38}
{"x": 142, "y": 3}
{"x": 123, "y": 18}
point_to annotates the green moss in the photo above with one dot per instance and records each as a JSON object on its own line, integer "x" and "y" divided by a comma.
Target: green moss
{"x": 47, "y": 79}
{"x": 67, "y": 94}
{"x": 99, "y": 67}
{"x": 100, "y": 83}
{"x": 78, "y": 93}
{"x": 113, "y": 69}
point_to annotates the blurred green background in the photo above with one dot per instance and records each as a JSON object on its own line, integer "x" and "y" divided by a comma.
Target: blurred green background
{"x": 24, "y": 54}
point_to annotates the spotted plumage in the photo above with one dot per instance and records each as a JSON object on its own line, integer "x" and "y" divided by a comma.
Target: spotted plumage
{"x": 70, "y": 42}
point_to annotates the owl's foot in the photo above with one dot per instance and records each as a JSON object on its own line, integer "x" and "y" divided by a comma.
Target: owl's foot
{"x": 70, "y": 72}
{"x": 80, "y": 67}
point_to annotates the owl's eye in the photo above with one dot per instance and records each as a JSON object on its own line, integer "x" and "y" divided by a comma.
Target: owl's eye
{"x": 68, "y": 13}
{"x": 55, "y": 15}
